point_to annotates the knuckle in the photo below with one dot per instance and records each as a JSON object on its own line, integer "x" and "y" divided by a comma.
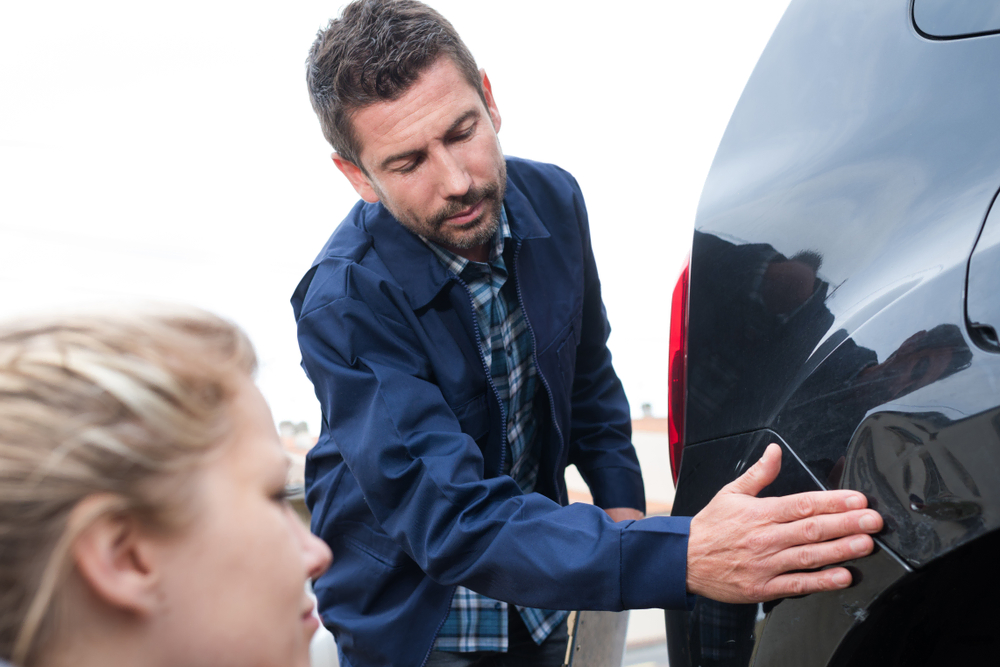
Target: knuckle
{"x": 805, "y": 559}
{"x": 839, "y": 550}
{"x": 812, "y": 531}
{"x": 803, "y": 506}
{"x": 755, "y": 590}
{"x": 759, "y": 542}
{"x": 797, "y": 586}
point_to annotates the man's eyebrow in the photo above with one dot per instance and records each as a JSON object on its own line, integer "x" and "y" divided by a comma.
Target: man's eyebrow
{"x": 471, "y": 113}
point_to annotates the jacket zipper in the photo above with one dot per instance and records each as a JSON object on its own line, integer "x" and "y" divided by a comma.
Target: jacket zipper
{"x": 503, "y": 416}
{"x": 538, "y": 368}
{"x": 489, "y": 375}
{"x": 440, "y": 625}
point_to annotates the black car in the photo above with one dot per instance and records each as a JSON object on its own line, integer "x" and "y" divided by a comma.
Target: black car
{"x": 843, "y": 300}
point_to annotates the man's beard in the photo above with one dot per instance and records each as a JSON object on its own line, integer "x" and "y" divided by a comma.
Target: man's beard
{"x": 482, "y": 228}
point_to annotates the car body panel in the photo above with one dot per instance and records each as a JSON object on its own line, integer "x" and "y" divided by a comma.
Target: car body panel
{"x": 808, "y": 629}
{"x": 810, "y": 273}
{"x": 885, "y": 174}
{"x": 932, "y": 476}
{"x": 831, "y": 259}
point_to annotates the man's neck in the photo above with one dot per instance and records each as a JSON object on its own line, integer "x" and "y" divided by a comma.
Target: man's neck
{"x": 479, "y": 253}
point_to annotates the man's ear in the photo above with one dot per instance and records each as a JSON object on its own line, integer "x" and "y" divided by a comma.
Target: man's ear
{"x": 112, "y": 555}
{"x": 357, "y": 178}
{"x": 491, "y": 104}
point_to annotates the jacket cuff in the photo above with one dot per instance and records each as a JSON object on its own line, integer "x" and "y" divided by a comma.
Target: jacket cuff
{"x": 654, "y": 564}
{"x": 617, "y": 487}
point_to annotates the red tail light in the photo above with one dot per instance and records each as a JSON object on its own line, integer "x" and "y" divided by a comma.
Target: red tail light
{"x": 678, "y": 370}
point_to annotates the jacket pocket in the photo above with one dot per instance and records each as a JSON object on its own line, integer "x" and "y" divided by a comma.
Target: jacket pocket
{"x": 474, "y": 417}
{"x": 366, "y": 542}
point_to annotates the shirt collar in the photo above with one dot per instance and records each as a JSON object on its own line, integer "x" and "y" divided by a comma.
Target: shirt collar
{"x": 456, "y": 263}
{"x": 421, "y": 280}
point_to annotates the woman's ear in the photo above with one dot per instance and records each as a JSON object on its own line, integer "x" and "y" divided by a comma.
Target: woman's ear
{"x": 113, "y": 555}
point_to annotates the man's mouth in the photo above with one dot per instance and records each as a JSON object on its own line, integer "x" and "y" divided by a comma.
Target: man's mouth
{"x": 466, "y": 216}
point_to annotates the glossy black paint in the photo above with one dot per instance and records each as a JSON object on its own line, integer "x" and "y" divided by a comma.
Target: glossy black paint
{"x": 842, "y": 298}
{"x": 725, "y": 634}
{"x": 906, "y": 624}
{"x": 932, "y": 477}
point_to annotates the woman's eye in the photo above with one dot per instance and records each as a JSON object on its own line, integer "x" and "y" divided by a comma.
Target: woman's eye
{"x": 288, "y": 492}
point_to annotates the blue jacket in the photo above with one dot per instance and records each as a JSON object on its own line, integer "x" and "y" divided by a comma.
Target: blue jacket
{"x": 405, "y": 482}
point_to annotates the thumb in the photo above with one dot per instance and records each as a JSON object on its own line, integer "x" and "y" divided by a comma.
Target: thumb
{"x": 760, "y": 474}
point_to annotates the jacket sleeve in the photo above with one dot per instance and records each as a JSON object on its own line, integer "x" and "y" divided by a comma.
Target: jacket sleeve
{"x": 600, "y": 436}
{"x": 423, "y": 480}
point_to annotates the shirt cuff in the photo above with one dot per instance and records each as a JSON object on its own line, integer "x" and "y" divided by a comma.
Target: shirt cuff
{"x": 654, "y": 564}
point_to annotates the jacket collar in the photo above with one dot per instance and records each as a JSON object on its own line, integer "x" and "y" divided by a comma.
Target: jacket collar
{"x": 413, "y": 264}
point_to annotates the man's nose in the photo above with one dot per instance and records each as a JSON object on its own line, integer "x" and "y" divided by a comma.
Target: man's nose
{"x": 453, "y": 178}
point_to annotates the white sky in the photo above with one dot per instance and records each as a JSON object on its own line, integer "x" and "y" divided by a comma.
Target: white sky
{"x": 167, "y": 151}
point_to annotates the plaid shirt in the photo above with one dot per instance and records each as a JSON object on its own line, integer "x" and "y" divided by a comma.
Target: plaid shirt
{"x": 476, "y": 622}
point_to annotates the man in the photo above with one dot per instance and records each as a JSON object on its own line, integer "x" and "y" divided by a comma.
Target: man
{"x": 454, "y": 331}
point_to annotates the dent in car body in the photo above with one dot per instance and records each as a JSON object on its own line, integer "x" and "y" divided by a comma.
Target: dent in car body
{"x": 932, "y": 476}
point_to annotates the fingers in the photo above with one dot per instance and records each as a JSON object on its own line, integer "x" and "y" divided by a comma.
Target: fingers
{"x": 782, "y": 574}
{"x": 814, "y": 503}
{"x": 814, "y": 556}
{"x": 759, "y": 475}
{"x": 770, "y": 540}
{"x": 804, "y": 583}
{"x": 825, "y": 528}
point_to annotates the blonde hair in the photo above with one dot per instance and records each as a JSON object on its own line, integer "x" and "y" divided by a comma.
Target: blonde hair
{"x": 112, "y": 404}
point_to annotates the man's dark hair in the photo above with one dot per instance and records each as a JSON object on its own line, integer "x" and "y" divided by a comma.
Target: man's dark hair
{"x": 374, "y": 52}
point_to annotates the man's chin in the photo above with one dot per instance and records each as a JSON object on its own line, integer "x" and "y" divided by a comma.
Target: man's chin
{"x": 477, "y": 233}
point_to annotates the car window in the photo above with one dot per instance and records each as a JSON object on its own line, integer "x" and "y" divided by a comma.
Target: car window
{"x": 950, "y": 19}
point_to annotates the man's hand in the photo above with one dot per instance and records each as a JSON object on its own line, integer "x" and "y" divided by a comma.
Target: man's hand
{"x": 624, "y": 513}
{"x": 747, "y": 549}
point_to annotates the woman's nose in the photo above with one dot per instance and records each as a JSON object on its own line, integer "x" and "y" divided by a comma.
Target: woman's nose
{"x": 316, "y": 553}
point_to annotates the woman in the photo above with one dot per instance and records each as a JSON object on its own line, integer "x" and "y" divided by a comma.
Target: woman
{"x": 143, "y": 518}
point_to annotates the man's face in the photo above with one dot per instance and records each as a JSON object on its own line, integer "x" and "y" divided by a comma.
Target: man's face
{"x": 433, "y": 159}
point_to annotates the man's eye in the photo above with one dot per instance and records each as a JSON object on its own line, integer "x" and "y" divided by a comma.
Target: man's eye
{"x": 407, "y": 167}
{"x": 467, "y": 134}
